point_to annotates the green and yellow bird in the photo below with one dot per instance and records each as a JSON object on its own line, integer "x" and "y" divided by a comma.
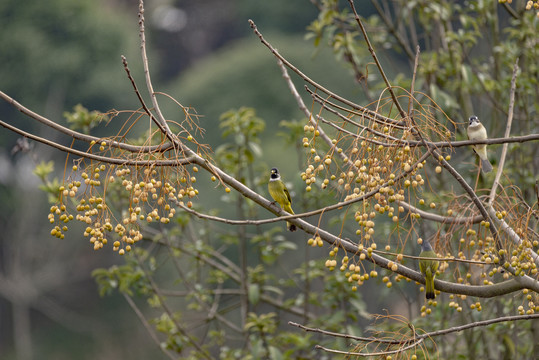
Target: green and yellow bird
{"x": 279, "y": 193}
{"x": 428, "y": 267}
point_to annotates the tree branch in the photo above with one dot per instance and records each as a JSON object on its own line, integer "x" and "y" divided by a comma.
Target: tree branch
{"x": 147, "y": 325}
{"x": 507, "y": 132}
{"x": 75, "y": 134}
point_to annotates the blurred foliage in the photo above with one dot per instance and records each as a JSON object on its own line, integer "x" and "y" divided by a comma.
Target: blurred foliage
{"x": 289, "y": 17}
{"x": 55, "y": 54}
{"x": 64, "y": 49}
{"x": 244, "y": 127}
{"x": 83, "y": 120}
{"x": 43, "y": 170}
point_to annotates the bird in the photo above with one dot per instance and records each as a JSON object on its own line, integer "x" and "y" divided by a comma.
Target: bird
{"x": 476, "y": 131}
{"x": 428, "y": 267}
{"x": 280, "y": 194}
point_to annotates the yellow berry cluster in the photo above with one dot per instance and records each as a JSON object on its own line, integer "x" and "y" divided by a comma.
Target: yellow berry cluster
{"x": 383, "y": 176}
{"x": 455, "y": 304}
{"x": 368, "y": 167}
{"x": 354, "y": 271}
{"x": 316, "y": 241}
{"x": 533, "y": 5}
{"x": 426, "y": 309}
{"x": 149, "y": 195}
{"x": 530, "y": 4}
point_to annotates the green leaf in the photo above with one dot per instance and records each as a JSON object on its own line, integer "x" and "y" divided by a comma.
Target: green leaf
{"x": 253, "y": 293}
{"x": 43, "y": 169}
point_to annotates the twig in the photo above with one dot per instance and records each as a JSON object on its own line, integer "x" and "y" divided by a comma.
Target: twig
{"x": 346, "y": 336}
{"x": 160, "y": 120}
{"x": 147, "y": 325}
{"x": 502, "y": 140}
{"x": 510, "y": 10}
{"x": 380, "y": 353}
{"x": 445, "y": 259}
{"x": 412, "y": 86}
{"x": 392, "y": 29}
{"x": 75, "y": 134}
{"x": 185, "y": 293}
{"x": 363, "y": 112}
{"x": 373, "y": 54}
{"x": 104, "y": 159}
{"x": 507, "y": 132}
{"x": 434, "y": 217}
{"x": 416, "y": 340}
{"x": 274, "y": 51}
{"x": 346, "y": 119}
{"x": 481, "y": 323}
{"x": 442, "y": 219}
{"x": 170, "y": 314}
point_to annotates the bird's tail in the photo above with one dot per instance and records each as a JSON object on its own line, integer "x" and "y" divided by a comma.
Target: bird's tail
{"x": 429, "y": 288}
{"x": 486, "y": 166}
{"x": 289, "y": 225}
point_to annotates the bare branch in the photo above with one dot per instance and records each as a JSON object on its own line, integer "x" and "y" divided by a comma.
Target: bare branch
{"x": 147, "y": 325}
{"x": 170, "y": 313}
{"x": 379, "y": 118}
{"x": 507, "y": 132}
{"x": 380, "y": 353}
{"x": 75, "y": 134}
{"x": 480, "y": 324}
{"x": 373, "y": 54}
{"x": 160, "y": 121}
{"x": 393, "y": 30}
{"x": 442, "y": 219}
{"x": 412, "y": 341}
{"x": 104, "y": 159}
{"x": 345, "y": 336}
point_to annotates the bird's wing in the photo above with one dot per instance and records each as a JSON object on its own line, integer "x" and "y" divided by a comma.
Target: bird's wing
{"x": 287, "y": 194}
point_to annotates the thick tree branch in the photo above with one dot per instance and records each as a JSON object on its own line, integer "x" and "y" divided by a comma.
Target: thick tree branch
{"x": 75, "y": 134}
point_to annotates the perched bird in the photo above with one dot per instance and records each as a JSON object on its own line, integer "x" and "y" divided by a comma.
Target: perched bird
{"x": 279, "y": 193}
{"x": 476, "y": 131}
{"x": 428, "y": 267}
